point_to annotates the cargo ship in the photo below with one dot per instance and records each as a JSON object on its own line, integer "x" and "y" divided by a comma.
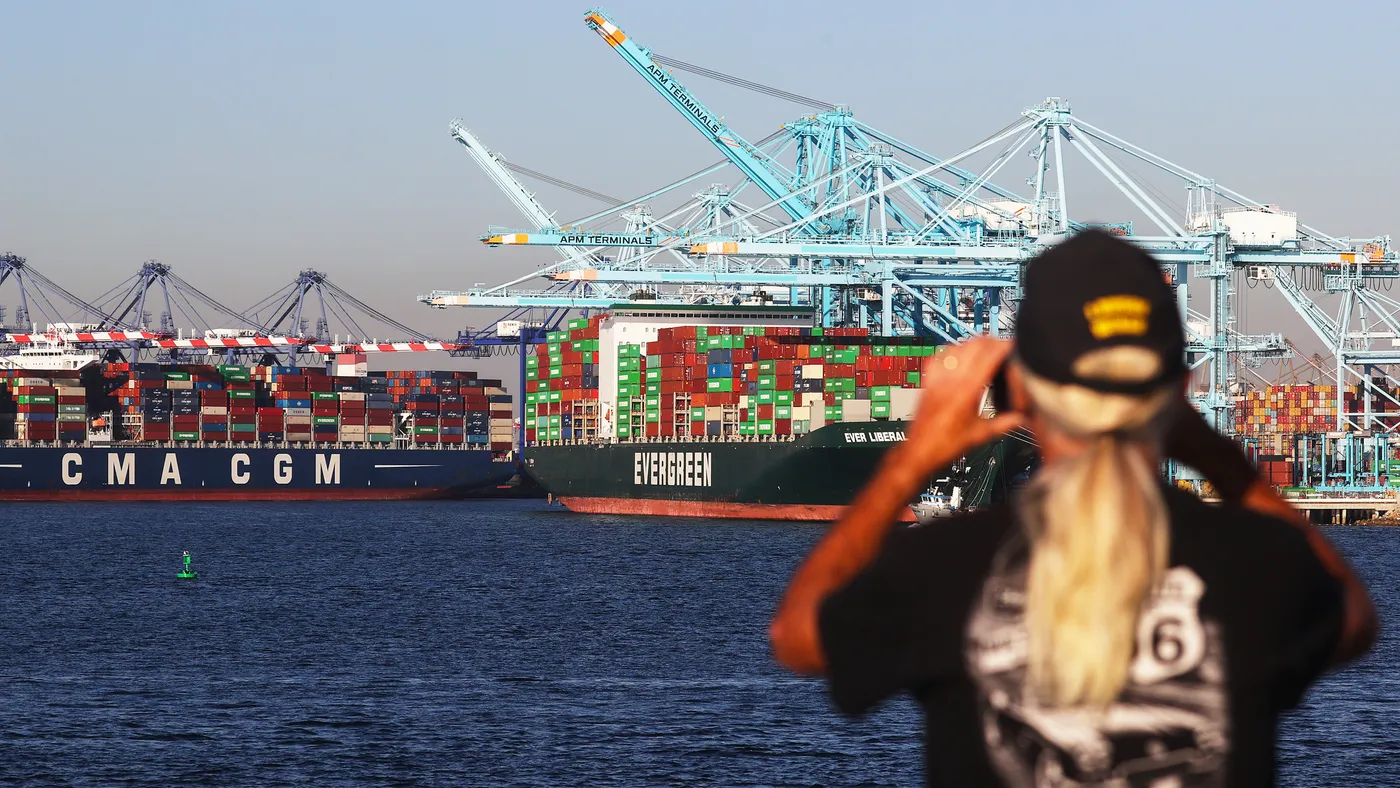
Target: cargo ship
{"x": 729, "y": 412}
{"x": 126, "y": 432}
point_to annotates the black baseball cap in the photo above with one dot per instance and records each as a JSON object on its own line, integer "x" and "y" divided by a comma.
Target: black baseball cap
{"x": 1096, "y": 291}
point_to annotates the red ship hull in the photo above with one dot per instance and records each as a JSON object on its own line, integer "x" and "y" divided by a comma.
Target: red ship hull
{"x": 716, "y": 509}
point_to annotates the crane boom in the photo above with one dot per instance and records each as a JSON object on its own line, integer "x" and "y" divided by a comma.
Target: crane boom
{"x": 523, "y": 199}
{"x": 734, "y": 147}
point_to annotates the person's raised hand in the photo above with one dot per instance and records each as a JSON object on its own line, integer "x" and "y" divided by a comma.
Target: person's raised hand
{"x": 948, "y": 421}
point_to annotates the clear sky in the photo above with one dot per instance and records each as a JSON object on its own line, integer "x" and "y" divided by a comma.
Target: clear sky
{"x": 240, "y": 142}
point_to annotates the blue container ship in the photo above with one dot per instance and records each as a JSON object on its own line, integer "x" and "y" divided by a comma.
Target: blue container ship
{"x": 341, "y": 472}
{"x": 148, "y": 432}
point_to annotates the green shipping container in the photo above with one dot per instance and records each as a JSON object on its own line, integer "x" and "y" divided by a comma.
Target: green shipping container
{"x": 720, "y": 384}
{"x": 624, "y": 431}
{"x": 782, "y": 412}
{"x": 532, "y": 374}
{"x": 653, "y": 375}
{"x": 880, "y": 393}
{"x": 626, "y": 364}
{"x": 912, "y": 378}
{"x": 176, "y": 375}
{"x": 578, "y": 322}
{"x": 765, "y": 396}
{"x": 555, "y": 396}
{"x": 768, "y": 366}
{"x": 242, "y": 394}
{"x": 37, "y": 399}
{"x": 324, "y": 395}
{"x": 243, "y": 427}
{"x": 425, "y": 430}
{"x": 185, "y": 436}
{"x": 379, "y": 438}
{"x": 532, "y": 362}
{"x": 653, "y": 416}
{"x": 767, "y": 382}
{"x": 654, "y": 388}
{"x": 783, "y": 398}
{"x": 880, "y": 410}
{"x": 629, "y": 351}
{"x": 79, "y": 409}
{"x": 325, "y": 420}
{"x": 697, "y": 414}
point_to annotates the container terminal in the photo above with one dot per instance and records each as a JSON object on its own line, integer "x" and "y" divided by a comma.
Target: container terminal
{"x": 863, "y": 243}
{"x": 868, "y": 230}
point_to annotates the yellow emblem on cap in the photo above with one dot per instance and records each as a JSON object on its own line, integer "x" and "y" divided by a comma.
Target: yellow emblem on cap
{"x": 1117, "y": 315}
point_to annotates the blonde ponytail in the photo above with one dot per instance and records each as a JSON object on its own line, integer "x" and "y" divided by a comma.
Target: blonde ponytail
{"x": 1099, "y": 539}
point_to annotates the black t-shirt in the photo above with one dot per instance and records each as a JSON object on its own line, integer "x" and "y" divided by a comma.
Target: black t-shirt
{"x": 1244, "y": 622}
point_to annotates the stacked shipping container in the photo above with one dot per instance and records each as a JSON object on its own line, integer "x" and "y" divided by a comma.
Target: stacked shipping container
{"x": 721, "y": 382}
{"x": 561, "y": 384}
{"x": 266, "y": 403}
{"x": 44, "y": 406}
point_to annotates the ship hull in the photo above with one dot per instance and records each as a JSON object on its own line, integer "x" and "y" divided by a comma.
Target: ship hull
{"x": 119, "y": 473}
{"x": 811, "y": 478}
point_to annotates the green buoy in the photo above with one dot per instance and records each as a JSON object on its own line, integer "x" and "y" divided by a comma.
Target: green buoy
{"x": 187, "y": 573}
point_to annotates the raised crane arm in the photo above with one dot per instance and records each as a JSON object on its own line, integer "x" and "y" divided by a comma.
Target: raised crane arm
{"x": 734, "y": 147}
{"x": 524, "y": 200}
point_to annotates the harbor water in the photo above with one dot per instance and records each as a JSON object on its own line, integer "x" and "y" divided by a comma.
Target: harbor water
{"x": 482, "y": 643}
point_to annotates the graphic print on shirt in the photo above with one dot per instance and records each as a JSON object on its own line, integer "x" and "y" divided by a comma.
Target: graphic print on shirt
{"x": 1166, "y": 730}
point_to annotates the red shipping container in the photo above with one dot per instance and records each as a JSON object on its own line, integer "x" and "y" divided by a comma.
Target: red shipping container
{"x": 76, "y": 399}
{"x": 244, "y": 410}
{"x": 452, "y": 439}
{"x": 501, "y": 446}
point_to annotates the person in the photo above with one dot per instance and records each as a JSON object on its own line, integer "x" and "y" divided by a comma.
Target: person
{"x": 1102, "y": 627}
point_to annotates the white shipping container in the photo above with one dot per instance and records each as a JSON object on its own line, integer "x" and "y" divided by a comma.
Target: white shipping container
{"x": 32, "y": 381}
{"x": 296, "y": 411}
{"x": 813, "y": 371}
{"x": 494, "y": 391}
{"x": 289, "y": 420}
{"x": 855, "y": 410}
{"x": 214, "y": 410}
{"x": 903, "y": 402}
{"x": 72, "y": 417}
{"x": 377, "y": 429}
{"x": 180, "y": 385}
{"x": 71, "y": 391}
{"x": 352, "y": 396}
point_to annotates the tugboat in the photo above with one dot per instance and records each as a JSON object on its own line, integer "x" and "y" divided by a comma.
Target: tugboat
{"x": 933, "y": 506}
{"x": 944, "y": 497}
